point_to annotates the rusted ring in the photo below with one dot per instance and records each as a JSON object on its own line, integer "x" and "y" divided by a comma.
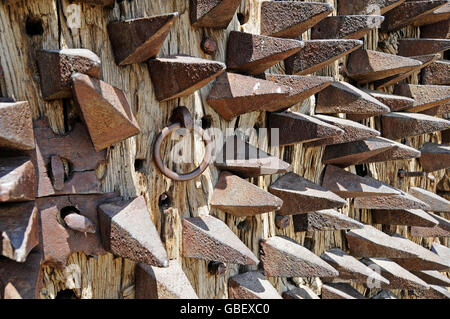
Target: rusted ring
{"x": 168, "y": 172}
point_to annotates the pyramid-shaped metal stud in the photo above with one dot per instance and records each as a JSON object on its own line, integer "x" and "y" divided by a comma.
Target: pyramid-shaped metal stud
{"x": 439, "y": 30}
{"x": 251, "y": 285}
{"x": 398, "y": 151}
{"x": 407, "y": 13}
{"x": 215, "y": 14}
{"x": 301, "y": 196}
{"x": 436, "y": 202}
{"x": 178, "y": 76}
{"x": 385, "y": 294}
{"x": 397, "y": 125}
{"x": 353, "y": 131}
{"x": 399, "y": 277}
{"x": 438, "y": 15}
{"x": 324, "y": 220}
{"x": 350, "y": 269}
{"x": 348, "y": 185}
{"x": 433, "y": 277}
{"x": 163, "y": 282}
{"x": 342, "y": 97}
{"x": 16, "y": 126}
{"x": 402, "y": 201}
{"x": 349, "y": 7}
{"x": 437, "y": 73}
{"x": 319, "y": 53}
{"x": 209, "y": 238}
{"x": 283, "y": 257}
{"x": 294, "y": 128}
{"x": 340, "y": 291}
{"x": 302, "y": 87}
{"x": 128, "y": 231}
{"x": 144, "y": 37}
{"x": 247, "y": 161}
{"x": 434, "y": 157}
{"x": 441, "y": 230}
{"x": 238, "y": 197}
{"x": 441, "y": 250}
{"x": 234, "y": 94}
{"x": 437, "y": 110}
{"x": 346, "y": 26}
{"x": 366, "y": 66}
{"x": 394, "y": 102}
{"x": 17, "y": 179}
{"x": 302, "y": 292}
{"x": 19, "y": 230}
{"x": 289, "y": 19}
{"x": 262, "y": 51}
{"x": 407, "y": 217}
{"x": 105, "y": 111}
{"x": 57, "y": 66}
{"x": 414, "y": 47}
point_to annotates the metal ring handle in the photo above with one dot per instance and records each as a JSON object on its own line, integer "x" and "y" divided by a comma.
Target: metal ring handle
{"x": 168, "y": 172}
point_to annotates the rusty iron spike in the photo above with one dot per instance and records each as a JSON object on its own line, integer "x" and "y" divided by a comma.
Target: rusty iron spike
{"x": 442, "y": 229}
{"x": 416, "y": 47}
{"x": 399, "y": 277}
{"x": 234, "y": 94}
{"x": 317, "y": 54}
{"x": 144, "y": 37}
{"x": 185, "y": 75}
{"x": 434, "y": 157}
{"x": 438, "y": 15}
{"x": 340, "y": 291}
{"x": 238, "y": 197}
{"x": 245, "y": 160}
{"x": 433, "y": 277}
{"x": 437, "y": 73}
{"x": 324, "y": 220}
{"x": 251, "y": 285}
{"x": 346, "y": 26}
{"x": 19, "y": 230}
{"x": 366, "y": 66}
{"x": 163, "y": 282}
{"x": 394, "y": 102}
{"x": 128, "y": 231}
{"x": 57, "y": 83}
{"x": 209, "y": 238}
{"x": 209, "y": 45}
{"x": 302, "y": 87}
{"x": 17, "y": 179}
{"x": 435, "y": 292}
{"x": 425, "y": 96}
{"x": 283, "y": 257}
{"x": 16, "y": 126}
{"x": 349, "y": 7}
{"x": 105, "y": 110}
{"x": 402, "y": 201}
{"x": 407, "y": 13}
{"x": 385, "y": 294}
{"x": 302, "y": 292}
{"x": 350, "y": 269}
{"x": 407, "y": 217}
{"x": 79, "y": 223}
{"x": 352, "y": 131}
{"x": 440, "y": 30}
{"x": 436, "y": 202}
{"x": 212, "y": 13}
{"x": 301, "y": 196}
{"x": 263, "y": 51}
{"x": 342, "y": 97}
{"x": 289, "y": 19}
{"x": 294, "y": 128}
{"x": 398, "y": 151}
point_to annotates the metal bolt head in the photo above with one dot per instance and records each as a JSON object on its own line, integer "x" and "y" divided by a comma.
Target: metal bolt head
{"x": 217, "y": 268}
{"x": 209, "y": 45}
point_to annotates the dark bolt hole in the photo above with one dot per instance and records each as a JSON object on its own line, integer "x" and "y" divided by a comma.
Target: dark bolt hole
{"x": 361, "y": 170}
{"x": 33, "y": 26}
{"x": 138, "y": 164}
{"x": 242, "y": 18}
{"x": 66, "y": 211}
{"x": 164, "y": 201}
{"x": 206, "y": 122}
{"x": 66, "y": 294}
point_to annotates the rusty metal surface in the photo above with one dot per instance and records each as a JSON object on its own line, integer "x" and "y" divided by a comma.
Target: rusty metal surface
{"x": 247, "y": 161}
{"x": 300, "y": 293}
{"x": 17, "y": 179}
{"x": 144, "y": 37}
{"x": 294, "y": 128}
{"x": 234, "y": 94}
{"x": 435, "y": 292}
{"x": 105, "y": 110}
{"x": 163, "y": 282}
{"x": 433, "y": 277}
{"x": 350, "y": 7}
{"x": 436, "y": 202}
{"x": 434, "y": 157}
{"x": 407, "y": 217}
{"x": 209, "y": 45}
{"x": 317, "y": 54}
{"x": 439, "y": 30}
{"x": 398, "y": 151}
{"x": 127, "y": 230}
{"x": 441, "y": 230}
{"x": 394, "y": 102}
{"x": 177, "y": 76}
{"x": 340, "y": 291}
{"x": 19, "y": 230}
{"x": 209, "y": 238}
{"x": 324, "y": 220}
{"x": 58, "y": 241}
{"x": 253, "y": 54}
{"x": 289, "y": 19}
{"x": 79, "y": 223}
{"x": 251, "y": 285}
{"x": 212, "y": 13}
{"x": 57, "y": 66}
{"x": 438, "y": 15}
{"x": 282, "y": 222}
{"x": 437, "y": 73}
{"x": 402, "y": 201}
{"x": 415, "y": 47}
{"x": 57, "y": 172}
{"x": 238, "y": 197}
{"x": 407, "y": 13}
{"x": 437, "y": 110}
{"x": 16, "y": 126}
{"x": 346, "y": 26}
{"x": 301, "y": 196}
